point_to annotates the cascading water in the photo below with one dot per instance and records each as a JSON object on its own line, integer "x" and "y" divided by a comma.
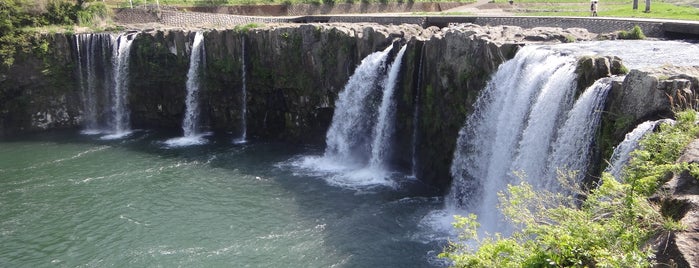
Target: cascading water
{"x": 346, "y": 138}
{"x": 384, "y": 128}
{"x": 358, "y": 131}
{"x": 190, "y": 123}
{"x": 119, "y": 124}
{"x": 91, "y": 50}
{"x": 416, "y": 114}
{"x": 89, "y": 118}
{"x": 515, "y": 131}
{"x": 622, "y": 152}
{"x": 244, "y": 96}
{"x": 572, "y": 147}
{"x": 484, "y": 152}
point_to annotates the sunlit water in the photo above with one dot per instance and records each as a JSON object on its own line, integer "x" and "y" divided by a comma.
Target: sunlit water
{"x": 73, "y": 200}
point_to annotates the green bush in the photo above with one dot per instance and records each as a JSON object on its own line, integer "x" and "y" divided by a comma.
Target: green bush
{"x": 17, "y": 15}
{"x": 612, "y": 227}
{"x": 635, "y": 34}
{"x": 246, "y": 27}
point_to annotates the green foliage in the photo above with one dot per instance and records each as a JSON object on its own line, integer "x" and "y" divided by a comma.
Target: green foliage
{"x": 61, "y": 12}
{"x": 610, "y": 228}
{"x": 650, "y": 167}
{"x": 635, "y": 34}
{"x": 624, "y": 69}
{"x": 246, "y": 27}
{"x": 17, "y": 15}
{"x": 570, "y": 39}
{"x": 91, "y": 13}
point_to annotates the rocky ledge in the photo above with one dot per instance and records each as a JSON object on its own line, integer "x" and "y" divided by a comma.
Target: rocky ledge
{"x": 681, "y": 202}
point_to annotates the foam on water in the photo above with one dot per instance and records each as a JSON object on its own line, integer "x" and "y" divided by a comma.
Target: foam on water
{"x": 186, "y": 141}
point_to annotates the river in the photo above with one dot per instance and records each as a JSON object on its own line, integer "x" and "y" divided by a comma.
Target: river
{"x": 77, "y": 200}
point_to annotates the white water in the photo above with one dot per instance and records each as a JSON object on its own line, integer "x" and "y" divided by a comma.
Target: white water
{"x": 622, "y": 152}
{"x": 523, "y": 122}
{"x": 244, "y": 97}
{"x": 645, "y": 53}
{"x": 190, "y": 124}
{"x": 384, "y": 128}
{"x": 119, "y": 124}
{"x": 571, "y": 151}
{"x": 358, "y": 131}
{"x": 346, "y": 138}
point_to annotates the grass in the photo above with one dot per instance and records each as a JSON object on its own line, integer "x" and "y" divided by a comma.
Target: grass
{"x": 659, "y": 10}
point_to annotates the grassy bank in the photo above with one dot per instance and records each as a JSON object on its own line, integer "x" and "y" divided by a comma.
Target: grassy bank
{"x": 659, "y": 10}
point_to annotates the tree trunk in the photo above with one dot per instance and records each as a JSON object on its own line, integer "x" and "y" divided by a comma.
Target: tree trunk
{"x": 647, "y": 6}
{"x": 635, "y": 4}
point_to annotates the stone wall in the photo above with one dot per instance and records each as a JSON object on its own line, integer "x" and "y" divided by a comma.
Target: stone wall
{"x": 651, "y": 28}
{"x": 188, "y": 19}
{"x": 313, "y": 9}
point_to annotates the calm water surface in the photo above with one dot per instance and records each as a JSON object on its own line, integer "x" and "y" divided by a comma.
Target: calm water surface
{"x": 74, "y": 200}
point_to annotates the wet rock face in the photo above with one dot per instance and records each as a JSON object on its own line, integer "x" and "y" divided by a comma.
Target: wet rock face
{"x": 38, "y": 92}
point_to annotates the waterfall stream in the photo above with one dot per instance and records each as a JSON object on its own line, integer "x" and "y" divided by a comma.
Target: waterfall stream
{"x": 244, "y": 96}
{"x": 416, "y": 114}
{"x": 119, "y": 124}
{"x": 622, "y": 152}
{"x": 384, "y": 128}
{"x": 347, "y": 137}
{"x": 359, "y": 138}
{"x": 524, "y": 126}
{"x": 92, "y": 51}
{"x": 190, "y": 123}
{"x": 571, "y": 151}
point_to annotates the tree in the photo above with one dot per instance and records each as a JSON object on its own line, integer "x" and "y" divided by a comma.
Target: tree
{"x": 647, "y": 6}
{"x": 635, "y": 4}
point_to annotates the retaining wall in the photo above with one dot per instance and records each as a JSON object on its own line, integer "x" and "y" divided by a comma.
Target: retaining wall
{"x": 652, "y": 28}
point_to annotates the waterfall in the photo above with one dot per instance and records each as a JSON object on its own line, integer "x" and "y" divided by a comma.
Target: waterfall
{"x": 90, "y": 119}
{"x": 347, "y": 136}
{"x": 359, "y": 137}
{"x": 190, "y": 123}
{"x": 622, "y": 152}
{"x": 384, "y": 128}
{"x": 416, "y": 113}
{"x": 90, "y": 50}
{"x": 523, "y": 123}
{"x": 244, "y": 96}
{"x": 119, "y": 123}
{"x": 572, "y": 147}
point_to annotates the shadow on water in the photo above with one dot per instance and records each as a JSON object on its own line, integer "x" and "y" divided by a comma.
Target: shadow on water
{"x": 369, "y": 227}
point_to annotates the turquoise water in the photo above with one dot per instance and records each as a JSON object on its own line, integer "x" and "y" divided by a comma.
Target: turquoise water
{"x": 72, "y": 200}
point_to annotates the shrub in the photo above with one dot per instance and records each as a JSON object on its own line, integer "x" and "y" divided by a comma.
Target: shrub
{"x": 246, "y": 27}
{"x": 635, "y": 34}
